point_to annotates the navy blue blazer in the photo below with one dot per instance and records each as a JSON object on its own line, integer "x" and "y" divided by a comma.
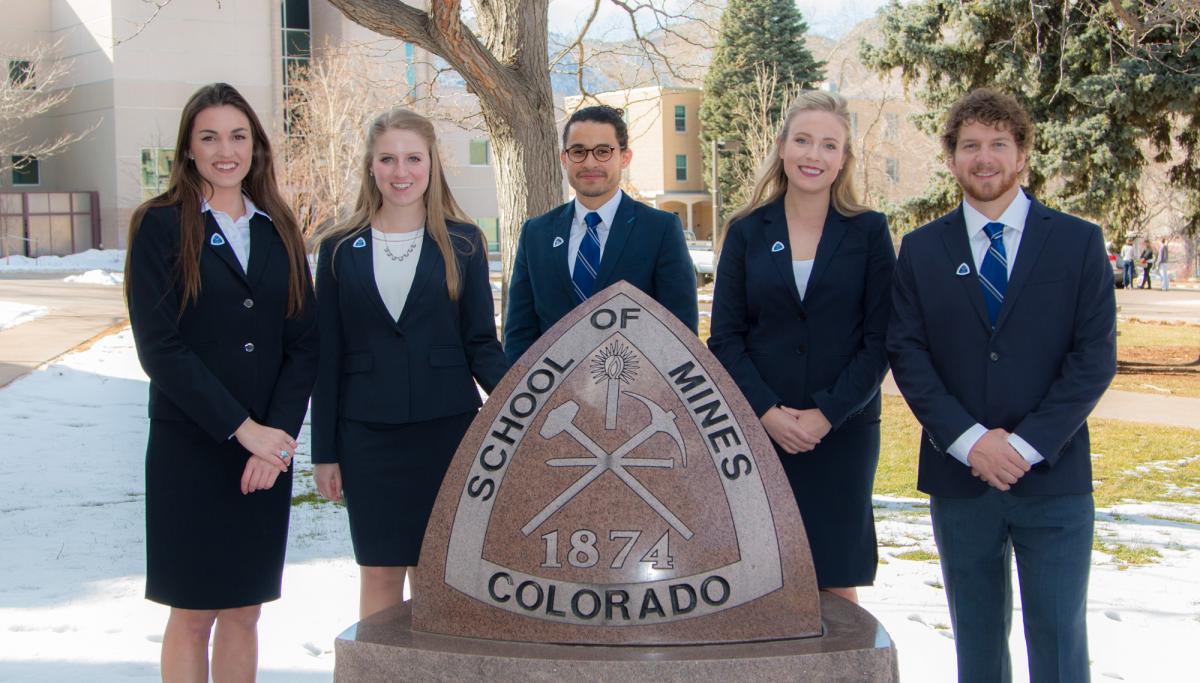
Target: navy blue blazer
{"x": 233, "y": 353}
{"x": 1038, "y": 374}
{"x": 422, "y": 366}
{"x": 825, "y": 351}
{"x": 645, "y": 247}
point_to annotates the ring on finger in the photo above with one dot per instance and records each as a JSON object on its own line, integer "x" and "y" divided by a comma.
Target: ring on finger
{"x": 284, "y": 454}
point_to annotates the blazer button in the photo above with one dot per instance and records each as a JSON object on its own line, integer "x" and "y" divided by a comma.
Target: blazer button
{"x": 994, "y": 356}
{"x": 398, "y": 333}
{"x": 249, "y": 347}
{"x": 248, "y": 303}
{"x": 803, "y": 315}
{"x": 801, "y": 349}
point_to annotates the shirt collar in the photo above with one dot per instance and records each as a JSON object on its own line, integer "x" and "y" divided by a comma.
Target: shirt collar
{"x": 251, "y": 209}
{"x": 607, "y": 211}
{"x": 1013, "y": 217}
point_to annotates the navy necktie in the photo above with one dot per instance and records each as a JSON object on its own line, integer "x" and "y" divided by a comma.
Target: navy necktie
{"x": 993, "y": 272}
{"x": 587, "y": 261}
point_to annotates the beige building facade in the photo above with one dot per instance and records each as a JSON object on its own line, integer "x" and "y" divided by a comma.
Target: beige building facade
{"x": 132, "y": 69}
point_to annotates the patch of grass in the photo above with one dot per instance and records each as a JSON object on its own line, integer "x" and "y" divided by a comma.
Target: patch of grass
{"x": 1158, "y": 384}
{"x": 1126, "y": 556}
{"x": 917, "y": 555}
{"x": 311, "y": 498}
{"x": 1136, "y": 332}
{"x": 1132, "y": 462}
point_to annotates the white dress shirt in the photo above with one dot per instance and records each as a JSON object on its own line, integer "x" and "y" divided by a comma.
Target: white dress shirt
{"x": 394, "y": 278}
{"x": 237, "y": 233}
{"x": 1013, "y": 219}
{"x": 802, "y": 270}
{"x": 608, "y": 211}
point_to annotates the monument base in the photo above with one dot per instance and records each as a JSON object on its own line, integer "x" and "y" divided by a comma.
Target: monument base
{"x": 383, "y": 647}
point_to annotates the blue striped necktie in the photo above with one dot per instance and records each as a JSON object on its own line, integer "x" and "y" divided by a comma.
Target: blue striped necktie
{"x": 587, "y": 261}
{"x": 993, "y": 272}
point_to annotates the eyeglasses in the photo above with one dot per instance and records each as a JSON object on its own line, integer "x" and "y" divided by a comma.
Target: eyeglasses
{"x": 580, "y": 154}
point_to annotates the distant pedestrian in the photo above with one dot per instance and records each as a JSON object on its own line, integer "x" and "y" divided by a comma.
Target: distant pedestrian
{"x": 1146, "y": 259}
{"x": 1127, "y": 271}
{"x": 1162, "y": 261}
{"x": 222, "y": 311}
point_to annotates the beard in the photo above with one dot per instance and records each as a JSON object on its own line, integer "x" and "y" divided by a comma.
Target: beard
{"x": 990, "y": 189}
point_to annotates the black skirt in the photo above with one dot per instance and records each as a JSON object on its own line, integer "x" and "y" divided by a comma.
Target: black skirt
{"x": 832, "y": 484}
{"x": 207, "y": 545}
{"x": 390, "y": 476}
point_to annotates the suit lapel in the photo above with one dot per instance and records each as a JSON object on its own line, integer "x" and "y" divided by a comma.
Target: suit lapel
{"x": 1033, "y": 238}
{"x": 262, "y": 247}
{"x": 618, "y": 235}
{"x": 427, "y": 264}
{"x": 958, "y": 248}
{"x": 831, "y": 238}
{"x": 558, "y": 259}
{"x": 775, "y": 232}
{"x": 363, "y": 261}
{"x": 215, "y": 240}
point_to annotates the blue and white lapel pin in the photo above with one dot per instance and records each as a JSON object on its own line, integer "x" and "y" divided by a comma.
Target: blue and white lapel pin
{"x": 558, "y": 242}
{"x": 777, "y": 247}
{"x": 359, "y": 243}
{"x": 217, "y": 240}
{"x": 962, "y": 270}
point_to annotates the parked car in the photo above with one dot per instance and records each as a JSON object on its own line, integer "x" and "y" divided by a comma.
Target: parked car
{"x": 701, "y": 252}
{"x": 1117, "y": 271}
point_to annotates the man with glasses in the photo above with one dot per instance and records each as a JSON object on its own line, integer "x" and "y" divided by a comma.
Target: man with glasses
{"x": 595, "y": 240}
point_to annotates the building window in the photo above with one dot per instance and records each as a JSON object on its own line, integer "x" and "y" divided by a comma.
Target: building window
{"x": 893, "y": 170}
{"x": 20, "y": 74}
{"x": 680, "y": 167}
{"x": 25, "y": 170}
{"x": 854, "y": 125}
{"x": 680, "y": 118}
{"x": 481, "y": 153}
{"x": 297, "y": 48}
{"x": 891, "y": 126}
{"x": 156, "y": 170}
{"x": 491, "y": 232}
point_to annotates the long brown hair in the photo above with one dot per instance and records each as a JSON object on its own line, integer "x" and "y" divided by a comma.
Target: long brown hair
{"x": 440, "y": 205}
{"x": 771, "y": 182}
{"x": 186, "y": 189}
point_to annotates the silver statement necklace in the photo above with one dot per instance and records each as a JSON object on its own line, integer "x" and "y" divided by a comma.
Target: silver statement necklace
{"x": 412, "y": 241}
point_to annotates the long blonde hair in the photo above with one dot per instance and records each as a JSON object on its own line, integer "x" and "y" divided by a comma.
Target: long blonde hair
{"x": 771, "y": 183}
{"x": 440, "y": 205}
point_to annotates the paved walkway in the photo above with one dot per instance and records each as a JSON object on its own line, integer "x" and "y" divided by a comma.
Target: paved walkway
{"x": 77, "y": 313}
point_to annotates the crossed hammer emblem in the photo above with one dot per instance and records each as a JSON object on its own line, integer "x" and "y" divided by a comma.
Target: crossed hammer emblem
{"x": 562, "y": 419}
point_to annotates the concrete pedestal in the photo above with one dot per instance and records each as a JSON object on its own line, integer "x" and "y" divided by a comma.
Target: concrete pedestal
{"x": 854, "y": 647}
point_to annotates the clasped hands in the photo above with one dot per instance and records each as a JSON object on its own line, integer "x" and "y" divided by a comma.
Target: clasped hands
{"x": 266, "y": 462}
{"x": 796, "y": 431}
{"x": 994, "y": 460}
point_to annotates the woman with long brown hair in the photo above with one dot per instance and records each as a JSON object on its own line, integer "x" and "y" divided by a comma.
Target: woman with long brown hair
{"x": 407, "y": 328}
{"x": 800, "y": 314}
{"x": 222, "y": 310}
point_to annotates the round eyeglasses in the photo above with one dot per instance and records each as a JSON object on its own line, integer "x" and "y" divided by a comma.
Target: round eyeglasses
{"x": 580, "y": 154}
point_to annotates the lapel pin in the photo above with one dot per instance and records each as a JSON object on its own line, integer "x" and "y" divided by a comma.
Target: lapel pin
{"x": 359, "y": 243}
{"x": 217, "y": 240}
{"x": 962, "y": 270}
{"x": 777, "y": 247}
{"x": 558, "y": 242}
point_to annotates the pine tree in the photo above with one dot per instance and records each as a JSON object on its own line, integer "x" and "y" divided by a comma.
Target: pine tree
{"x": 1110, "y": 84}
{"x": 756, "y": 35}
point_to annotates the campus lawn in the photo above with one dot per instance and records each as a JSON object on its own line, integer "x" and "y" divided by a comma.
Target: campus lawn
{"x": 1142, "y": 344}
{"x": 1132, "y": 462}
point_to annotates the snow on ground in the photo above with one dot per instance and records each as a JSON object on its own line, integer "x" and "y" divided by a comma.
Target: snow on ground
{"x": 13, "y": 313}
{"x": 71, "y": 579}
{"x": 97, "y": 277}
{"x": 106, "y": 259}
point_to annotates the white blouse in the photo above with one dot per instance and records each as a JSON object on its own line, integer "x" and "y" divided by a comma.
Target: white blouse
{"x": 802, "y": 270}
{"x": 395, "y": 257}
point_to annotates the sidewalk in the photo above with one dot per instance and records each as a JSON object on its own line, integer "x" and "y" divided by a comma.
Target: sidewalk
{"x": 77, "y": 313}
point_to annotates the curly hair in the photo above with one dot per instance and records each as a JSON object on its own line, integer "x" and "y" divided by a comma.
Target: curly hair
{"x": 992, "y": 108}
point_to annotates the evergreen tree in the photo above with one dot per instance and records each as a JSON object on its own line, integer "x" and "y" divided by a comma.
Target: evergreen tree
{"x": 1110, "y": 85}
{"x": 756, "y": 36}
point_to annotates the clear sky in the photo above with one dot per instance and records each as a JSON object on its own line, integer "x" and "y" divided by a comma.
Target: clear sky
{"x": 824, "y": 17}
